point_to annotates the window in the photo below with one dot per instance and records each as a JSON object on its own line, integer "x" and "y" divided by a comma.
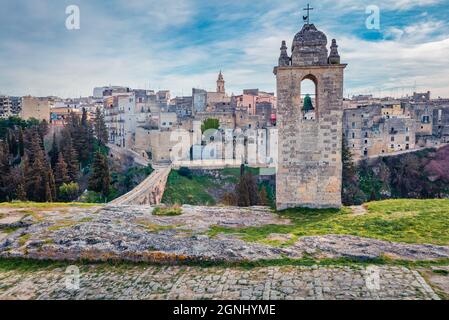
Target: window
{"x": 392, "y": 139}
{"x": 353, "y": 135}
{"x": 353, "y": 125}
{"x": 309, "y": 97}
{"x": 407, "y": 139}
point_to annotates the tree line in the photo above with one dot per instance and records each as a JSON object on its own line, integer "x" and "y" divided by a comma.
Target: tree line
{"x": 76, "y": 159}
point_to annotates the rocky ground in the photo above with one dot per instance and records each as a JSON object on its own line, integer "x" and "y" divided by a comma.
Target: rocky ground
{"x": 133, "y": 233}
{"x": 195, "y": 283}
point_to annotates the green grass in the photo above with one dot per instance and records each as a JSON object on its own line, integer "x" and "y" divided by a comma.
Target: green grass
{"x": 30, "y": 265}
{"x": 24, "y": 239}
{"x": 182, "y": 190}
{"x": 45, "y": 205}
{"x": 171, "y": 211}
{"x": 25, "y": 265}
{"x": 441, "y": 272}
{"x": 409, "y": 221}
{"x": 197, "y": 190}
{"x": 9, "y": 230}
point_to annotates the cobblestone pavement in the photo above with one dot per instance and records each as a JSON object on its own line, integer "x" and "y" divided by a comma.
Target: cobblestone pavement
{"x": 194, "y": 283}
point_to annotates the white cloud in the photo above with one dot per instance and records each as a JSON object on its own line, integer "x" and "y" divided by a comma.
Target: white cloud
{"x": 108, "y": 50}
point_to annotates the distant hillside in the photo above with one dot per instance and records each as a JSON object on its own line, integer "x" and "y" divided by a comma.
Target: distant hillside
{"x": 205, "y": 187}
{"x": 418, "y": 175}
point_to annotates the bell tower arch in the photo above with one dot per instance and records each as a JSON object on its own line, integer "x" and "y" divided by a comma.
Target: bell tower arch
{"x": 309, "y": 121}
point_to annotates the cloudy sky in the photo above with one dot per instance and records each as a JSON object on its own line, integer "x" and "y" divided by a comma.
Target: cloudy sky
{"x": 180, "y": 44}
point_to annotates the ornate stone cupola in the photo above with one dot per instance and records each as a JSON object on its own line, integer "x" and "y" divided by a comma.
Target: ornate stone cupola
{"x": 284, "y": 59}
{"x": 334, "y": 56}
{"x": 309, "y": 47}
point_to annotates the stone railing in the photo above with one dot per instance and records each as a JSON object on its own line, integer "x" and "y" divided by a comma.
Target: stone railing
{"x": 149, "y": 192}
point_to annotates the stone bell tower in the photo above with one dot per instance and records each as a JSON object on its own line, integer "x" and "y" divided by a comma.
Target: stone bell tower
{"x": 309, "y": 172}
{"x": 220, "y": 83}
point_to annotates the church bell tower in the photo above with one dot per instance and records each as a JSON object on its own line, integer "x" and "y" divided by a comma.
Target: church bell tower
{"x": 309, "y": 172}
{"x": 220, "y": 83}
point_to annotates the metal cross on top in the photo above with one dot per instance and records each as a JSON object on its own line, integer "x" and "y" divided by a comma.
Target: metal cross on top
{"x": 307, "y": 18}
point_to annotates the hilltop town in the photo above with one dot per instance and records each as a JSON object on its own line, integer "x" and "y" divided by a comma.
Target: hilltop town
{"x": 298, "y": 194}
{"x": 142, "y": 120}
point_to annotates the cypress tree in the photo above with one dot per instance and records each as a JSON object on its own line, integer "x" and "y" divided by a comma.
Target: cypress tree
{"x": 42, "y": 129}
{"x": 70, "y": 156}
{"x": 26, "y": 173}
{"x": 263, "y": 195}
{"x": 61, "y": 171}
{"x": 52, "y": 183}
{"x": 81, "y": 138}
{"x": 12, "y": 142}
{"x": 21, "y": 143}
{"x": 99, "y": 180}
{"x": 48, "y": 196}
{"x": 14, "y": 145}
{"x": 351, "y": 193}
{"x": 5, "y": 172}
{"x": 101, "y": 130}
{"x": 40, "y": 181}
{"x": 36, "y": 180}
{"x": 20, "y": 190}
{"x": 84, "y": 118}
{"x": 54, "y": 152}
{"x": 246, "y": 191}
{"x": 252, "y": 189}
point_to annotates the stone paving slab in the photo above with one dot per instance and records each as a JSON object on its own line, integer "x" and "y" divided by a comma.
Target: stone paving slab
{"x": 196, "y": 283}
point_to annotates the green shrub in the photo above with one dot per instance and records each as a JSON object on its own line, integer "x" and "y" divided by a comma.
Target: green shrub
{"x": 210, "y": 124}
{"x": 69, "y": 191}
{"x": 185, "y": 172}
